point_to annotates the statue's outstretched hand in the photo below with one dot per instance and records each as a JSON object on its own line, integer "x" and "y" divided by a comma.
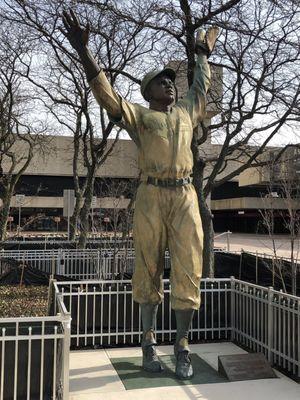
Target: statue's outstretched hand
{"x": 77, "y": 34}
{"x": 205, "y": 41}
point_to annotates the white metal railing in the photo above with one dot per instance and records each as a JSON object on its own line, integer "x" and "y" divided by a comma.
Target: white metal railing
{"x": 76, "y": 264}
{"x": 104, "y": 313}
{"x": 34, "y": 356}
{"x": 227, "y": 233}
{"x": 267, "y": 321}
{"x": 47, "y": 240}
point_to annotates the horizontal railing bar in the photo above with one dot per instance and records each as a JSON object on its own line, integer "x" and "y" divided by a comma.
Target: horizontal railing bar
{"x": 245, "y": 335}
{"x": 62, "y": 306}
{"x": 31, "y": 337}
{"x": 129, "y": 333}
{"x": 275, "y": 292}
{"x": 85, "y": 294}
{"x": 127, "y": 281}
{"x": 285, "y": 356}
{"x": 32, "y": 319}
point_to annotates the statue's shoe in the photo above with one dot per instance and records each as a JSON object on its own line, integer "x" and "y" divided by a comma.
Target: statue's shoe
{"x": 151, "y": 362}
{"x": 184, "y": 368}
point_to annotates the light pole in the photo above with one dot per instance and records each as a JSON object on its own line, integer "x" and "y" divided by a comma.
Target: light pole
{"x": 57, "y": 220}
{"x": 19, "y": 202}
{"x": 69, "y": 203}
{"x": 93, "y": 204}
{"x": 106, "y": 220}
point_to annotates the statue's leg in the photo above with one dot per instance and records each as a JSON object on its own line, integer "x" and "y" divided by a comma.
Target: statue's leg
{"x": 185, "y": 244}
{"x": 184, "y": 369}
{"x": 150, "y": 360}
{"x": 150, "y": 244}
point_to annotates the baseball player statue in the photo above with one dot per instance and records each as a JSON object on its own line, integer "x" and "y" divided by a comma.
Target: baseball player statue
{"x": 166, "y": 209}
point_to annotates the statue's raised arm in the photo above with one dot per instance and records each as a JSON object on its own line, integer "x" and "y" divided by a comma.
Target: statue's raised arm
{"x": 205, "y": 41}
{"x": 119, "y": 110}
{"x": 78, "y": 37}
{"x": 194, "y": 102}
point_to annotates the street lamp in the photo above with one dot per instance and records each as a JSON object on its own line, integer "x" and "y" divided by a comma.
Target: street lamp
{"x": 20, "y": 198}
{"x": 93, "y": 205}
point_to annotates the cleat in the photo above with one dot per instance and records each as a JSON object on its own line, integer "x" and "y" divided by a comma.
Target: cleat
{"x": 184, "y": 368}
{"x": 151, "y": 362}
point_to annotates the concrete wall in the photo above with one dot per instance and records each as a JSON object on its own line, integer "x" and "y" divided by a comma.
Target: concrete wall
{"x": 56, "y": 159}
{"x": 254, "y": 203}
{"x": 286, "y": 168}
{"x": 58, "y": 202}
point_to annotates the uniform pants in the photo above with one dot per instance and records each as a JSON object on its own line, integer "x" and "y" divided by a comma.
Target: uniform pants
{"x": 167, "y": 217}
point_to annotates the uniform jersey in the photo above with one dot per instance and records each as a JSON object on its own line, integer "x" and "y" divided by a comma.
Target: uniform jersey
{"x": 163, "y": 138}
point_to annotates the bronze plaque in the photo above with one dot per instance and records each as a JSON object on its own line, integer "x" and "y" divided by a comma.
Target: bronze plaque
{"x": 242, "y": 367}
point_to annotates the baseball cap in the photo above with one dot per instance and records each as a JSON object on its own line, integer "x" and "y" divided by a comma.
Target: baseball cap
{"x": 153, "y": 74}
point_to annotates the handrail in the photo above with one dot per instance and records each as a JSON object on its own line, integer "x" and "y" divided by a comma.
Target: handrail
{"x": 225, "y": 233}
{"x": 222, "y": 234}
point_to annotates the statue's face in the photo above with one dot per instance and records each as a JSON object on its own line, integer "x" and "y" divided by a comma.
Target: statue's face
{"x": 162, "y": 90}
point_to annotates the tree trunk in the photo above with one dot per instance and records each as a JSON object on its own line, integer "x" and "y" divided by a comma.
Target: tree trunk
{"x": 206, "y": 216}
{"x": 84, "y": 212}
{"x": 4, "y": 215}
{"x": 74, "y": 218}
{"x": 208, "y": 240}
{"x": 293, "y": 267}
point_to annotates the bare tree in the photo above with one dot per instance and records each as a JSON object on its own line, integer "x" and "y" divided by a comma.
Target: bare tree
{"x": 282, "y": 205}
{"x": 259, "y": 53}
{"x": 67, "y": 95}
{"x": 21, "y": 132}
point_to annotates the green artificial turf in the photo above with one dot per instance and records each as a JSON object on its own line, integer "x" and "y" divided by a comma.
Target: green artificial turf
{"x": 134, "y": 377}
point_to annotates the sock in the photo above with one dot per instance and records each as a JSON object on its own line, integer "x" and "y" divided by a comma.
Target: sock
{"x": 149, "y": 312}
{"x": 183, "y": 322}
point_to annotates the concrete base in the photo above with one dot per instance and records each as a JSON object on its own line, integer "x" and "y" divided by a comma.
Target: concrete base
{"x": 92, "y": 377}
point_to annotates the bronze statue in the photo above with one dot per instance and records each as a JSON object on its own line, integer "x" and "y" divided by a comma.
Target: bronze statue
{"x": 166, "y": 208}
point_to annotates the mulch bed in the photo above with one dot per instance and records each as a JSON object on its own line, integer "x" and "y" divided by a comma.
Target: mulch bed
{"x": 23, "y": 301}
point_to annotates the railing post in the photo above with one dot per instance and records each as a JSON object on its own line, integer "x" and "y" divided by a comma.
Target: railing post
{"x": 53, "y": 264}
{"x": 298, "y": 344}
{"x": 256, "y": 267}
{"x": 66, "y": 356}
{"x": 62, "y": 262}
{"x": 58, "y": 264}
{"x": 270, "y": 324}
{"x": 228, "y": 242}
{"x": 232, "y": 307}
{"x": 98, "y": 265}
{"x": 240, "y": 266}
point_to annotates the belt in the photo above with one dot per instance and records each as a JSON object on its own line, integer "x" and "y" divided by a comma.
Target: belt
{"x": 169, "y": 182}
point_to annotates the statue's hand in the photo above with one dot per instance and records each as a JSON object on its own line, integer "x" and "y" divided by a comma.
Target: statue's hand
{"x": 77, "y": 34}
{"x": 205, "y": 41}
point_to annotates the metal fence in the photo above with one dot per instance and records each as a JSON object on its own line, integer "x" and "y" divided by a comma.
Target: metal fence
{"x": 267, "y": 321}
{"x": 34, "y": 352}
{"x": 54, "y": 260}
{"x": 48, "y": 242}
{"x": 76, "y": 264}
{"x": 34, "y": 356}
{"x": 104, "y": 313}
